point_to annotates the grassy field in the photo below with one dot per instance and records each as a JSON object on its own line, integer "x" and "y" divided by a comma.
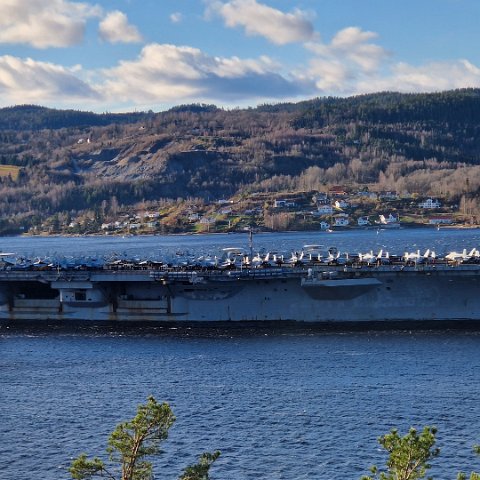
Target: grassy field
{"x": 9, "y": 170}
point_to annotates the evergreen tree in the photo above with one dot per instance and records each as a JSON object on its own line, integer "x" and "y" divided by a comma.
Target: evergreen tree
{"x": 132, "y": 443}
{"x": 409, "y": 455}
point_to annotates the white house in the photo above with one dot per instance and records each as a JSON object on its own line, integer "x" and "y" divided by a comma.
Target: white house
{"x": 324, "y": 226}
{"x": 363, "y": 221}
{"x": 430, "y": 203}
{"x": 207, "y": 221}
{"x": 193, "y": 217}
{"x": 284, "y": 203}
{"x": 388, "y": 220}
{"x": 325, "y": 209}
{"x": 341, "y": 220}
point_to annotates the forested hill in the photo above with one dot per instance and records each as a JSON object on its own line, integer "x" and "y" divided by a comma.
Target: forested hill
{"x": 459, "y": 106}
{"x": 33, "y": 117}
{"x": 69, "y": 161}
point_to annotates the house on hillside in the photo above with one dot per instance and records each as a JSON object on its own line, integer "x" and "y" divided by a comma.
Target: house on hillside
{"x": 392, "y": 221}
{"x": 207, "y": 221}
{"x": 367, "y": 194}
{"x": 337, "y": 191}
{"x": 363, "y": 221}
{"x": 284, "y": 204}
{"x": 341, "y": 220}
{"x": 440, "y": 220}
{"x": 325, "y": 210}
{"x": 324, "y": 226}
{"x": 430, "y": 203}
{"x": 321, "y": 198}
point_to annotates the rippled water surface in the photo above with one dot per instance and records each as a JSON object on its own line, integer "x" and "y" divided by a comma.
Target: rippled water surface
{"x": 279, "y": 403}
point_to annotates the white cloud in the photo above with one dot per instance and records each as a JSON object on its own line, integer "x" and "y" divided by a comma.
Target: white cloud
{"x": 337, "y": 67}
{"x": 350, "y": 37}
{"x": 168, "y": 73}
{"x": 352, "y": 42}
{"x": 114, "y": 28}
{"x": 352, "y": 64}
{"x": 259, "y": 19}
{"x": 27, "y": 81}
{"x": 329, "y": 75}
{"x": 176, "y": 17}
{"x": 350, "y": 48}
{"x": 436, "y": 76}
{"x": 44, "y": 23}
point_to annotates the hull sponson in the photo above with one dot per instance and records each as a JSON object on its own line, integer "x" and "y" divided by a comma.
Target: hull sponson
{"x": 325, "y": 295}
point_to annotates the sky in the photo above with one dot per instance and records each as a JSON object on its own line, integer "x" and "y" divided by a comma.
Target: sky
{"x": 137, "y": 55}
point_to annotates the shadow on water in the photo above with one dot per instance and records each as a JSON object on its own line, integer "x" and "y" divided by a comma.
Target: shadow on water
{"x": 232, "y": 329}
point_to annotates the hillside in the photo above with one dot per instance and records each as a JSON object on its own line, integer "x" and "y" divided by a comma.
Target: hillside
{"x": 33, "y": 117}
{"x": 72, "y": 163}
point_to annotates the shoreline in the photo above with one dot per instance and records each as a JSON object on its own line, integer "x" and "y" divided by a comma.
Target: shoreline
{"x": 201, "y": 234}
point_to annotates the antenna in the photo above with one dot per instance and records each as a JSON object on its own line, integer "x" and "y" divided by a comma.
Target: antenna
{"x": 250, "y": 241}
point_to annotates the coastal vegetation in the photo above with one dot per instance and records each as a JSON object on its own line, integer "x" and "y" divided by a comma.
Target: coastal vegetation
{"x": 409, "y": 456}
{"x": 131, "y": 445}
{"x": 62, "y": 167}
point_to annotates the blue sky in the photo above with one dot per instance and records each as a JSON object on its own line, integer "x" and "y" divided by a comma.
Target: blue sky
{"x": 122, "y": 55}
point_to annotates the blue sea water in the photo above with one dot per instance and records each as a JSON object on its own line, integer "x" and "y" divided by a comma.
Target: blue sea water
{"x": 296, "y": 403}
{"x": 354, "y": 241}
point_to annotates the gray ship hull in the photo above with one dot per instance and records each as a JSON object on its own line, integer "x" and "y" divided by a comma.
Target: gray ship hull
{"x": 328, "y": 294}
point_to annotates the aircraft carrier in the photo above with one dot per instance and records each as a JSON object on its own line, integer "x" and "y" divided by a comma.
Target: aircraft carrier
{"x": 309, "y": 286}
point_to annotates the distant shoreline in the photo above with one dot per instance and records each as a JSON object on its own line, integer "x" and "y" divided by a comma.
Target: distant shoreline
{"x": 337, "y": 230}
